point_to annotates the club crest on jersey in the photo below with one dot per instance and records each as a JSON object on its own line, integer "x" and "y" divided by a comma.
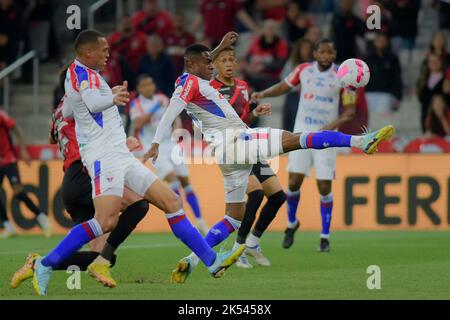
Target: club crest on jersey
{"x": 84, "y": 84}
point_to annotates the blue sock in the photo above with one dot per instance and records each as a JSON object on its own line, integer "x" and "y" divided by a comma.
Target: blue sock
{"x": 192, "y": 199}
{"x": 292, "y": 200}
{"x": 324, "y": 139}
{"x": 326, "y": 207}
{"x": 77, "y": 237}
{"x": 175, "y": 186}
{"x": 221, "y": 230}
{"x": 185, "y": 231}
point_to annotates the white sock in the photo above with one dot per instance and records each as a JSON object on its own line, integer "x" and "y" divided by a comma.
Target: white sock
{"x": 42, "y": 218}
{"x": 292, "y": 225}
{"x": 356, "y": 141}
{"x": 195, "y": 260}
{"x": 252, "y": 241}
{"x": 8, "y": 226}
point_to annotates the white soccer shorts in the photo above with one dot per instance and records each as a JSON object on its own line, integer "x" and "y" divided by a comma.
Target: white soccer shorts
{"x": 301, "y": 161}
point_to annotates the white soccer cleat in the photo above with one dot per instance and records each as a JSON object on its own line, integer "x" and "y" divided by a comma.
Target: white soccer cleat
{"x": 44, "y": 223}
{"x": 243, "y": 262}
{"x": 256, "y": 253}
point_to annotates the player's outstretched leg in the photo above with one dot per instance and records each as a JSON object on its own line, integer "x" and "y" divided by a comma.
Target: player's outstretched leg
{"x": 328, "y": 139}
{"x": 165, "y": 199}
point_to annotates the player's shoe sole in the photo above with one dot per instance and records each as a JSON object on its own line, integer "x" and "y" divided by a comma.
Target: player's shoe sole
{"x": 25, "y": 272}
{"x": 101, "y": 273}
{"x": 228, "y": 262}
{"x": 377, "y": 137}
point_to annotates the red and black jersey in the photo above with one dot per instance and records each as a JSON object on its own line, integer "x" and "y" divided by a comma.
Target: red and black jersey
{"x": 63, "y": 131}
{"x": 237, "y": 95}
{"x": 7, "y": 151}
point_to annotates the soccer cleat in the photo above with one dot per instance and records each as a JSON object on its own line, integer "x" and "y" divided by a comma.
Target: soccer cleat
{"x": 289, "y": 236}
{"x": 243, "y": 262}
{"x": 202, "y": 226}
{"x": 182, "y": 271}
{"x": 256, "y": 252}
{"x": 100, "y": 271}
{"x": 44, "y": 223}
{"x": 373, "y": 139}
{"x": 224, "y": 260}
{"x": 41, "y": 277}
{"x": 324, "y": 245}
{"x": 25, "y": 272}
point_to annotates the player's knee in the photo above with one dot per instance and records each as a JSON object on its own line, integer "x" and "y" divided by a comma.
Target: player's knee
{"x": 324, "y": 188}
{"x": 295, "y": 182}
{"x": 171, "y": 203}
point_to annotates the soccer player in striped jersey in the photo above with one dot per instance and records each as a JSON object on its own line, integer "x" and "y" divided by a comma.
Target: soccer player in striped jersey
{"x": 146, "y": 111}
{"x": 262, "y": 180}
{"x": 236, "y": 147}
{"x": 318, "y": 110}
{"x": 76, "y": 194}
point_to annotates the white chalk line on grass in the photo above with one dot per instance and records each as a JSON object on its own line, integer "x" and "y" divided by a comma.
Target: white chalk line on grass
{"x": 127, "y": 247}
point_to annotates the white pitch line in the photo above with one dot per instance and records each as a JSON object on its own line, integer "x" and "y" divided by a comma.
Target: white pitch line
{"x": 135, "y": 246}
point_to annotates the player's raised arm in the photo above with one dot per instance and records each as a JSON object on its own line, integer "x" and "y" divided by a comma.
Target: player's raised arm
{"x": 227, "y": 41}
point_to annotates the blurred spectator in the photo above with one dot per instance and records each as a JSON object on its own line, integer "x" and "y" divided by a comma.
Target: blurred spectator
{"x": 176, "y": 42}
{"x": 127, "y": 48}
{"x": 157, "y": 64}
{"x": 404, "y": 23}
{"x": 219, "y": 17}
{"x": 273, "y": 9}
{"x": 437, "y": 122}
{"x": 152, "y": 20}
{"x": 384, "y": 90}
{"x": 430, "y": 84}
{"x": 266, "y": 57}
{"x": 346, "y": 27}
{"x": 314, "y": 34}
{"x": 301, "y": 52}
{"x": 296, "y": 23}
{"x": 39, "y": 13}
{"x": 438, "y": 46}
{"x": 10, "y": 32}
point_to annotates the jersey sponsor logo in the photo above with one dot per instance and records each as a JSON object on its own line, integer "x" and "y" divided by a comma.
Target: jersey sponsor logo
{"x": 187, "y": 89}
{"x": 308, "y": 96}
{"x": 318, "y": 98}
{"x": 314, "y": 121}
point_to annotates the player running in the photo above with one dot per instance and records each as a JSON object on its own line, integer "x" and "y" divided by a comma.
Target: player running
{"x": 318, "y": 110}
{"x": 111, "y": 166}
{"x": 262, "y": 180}
{"x": 76, "y": 194}
{"x": 236, "y": 147}
{"x": 9, "y": 167}
{"x": 146, "y": 112}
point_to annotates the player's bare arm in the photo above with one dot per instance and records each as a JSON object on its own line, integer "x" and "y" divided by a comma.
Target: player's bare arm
{"x": 227, "y": 41}
{"x": 274, "y": 91}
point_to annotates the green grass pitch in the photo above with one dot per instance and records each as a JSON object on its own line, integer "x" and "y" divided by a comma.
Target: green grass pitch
{"x": 414, "y": 265}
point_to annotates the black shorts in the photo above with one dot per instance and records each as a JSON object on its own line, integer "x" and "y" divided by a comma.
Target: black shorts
{"x": 76, "y": 193}
{"x": 262, "y": 171}
{"x": 12, "y": 172}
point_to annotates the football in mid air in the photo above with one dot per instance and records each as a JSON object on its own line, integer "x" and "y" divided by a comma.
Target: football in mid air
{"x": 353, "y": 73}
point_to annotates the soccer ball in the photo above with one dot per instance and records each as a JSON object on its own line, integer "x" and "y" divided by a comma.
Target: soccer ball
{"x": 353, "y": 74}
